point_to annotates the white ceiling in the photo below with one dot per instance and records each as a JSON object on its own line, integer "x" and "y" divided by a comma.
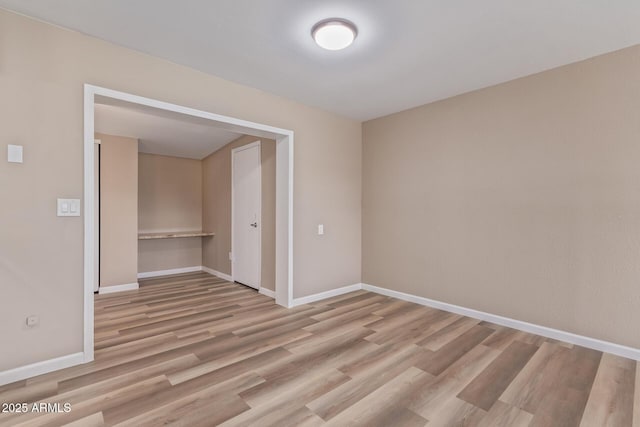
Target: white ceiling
{"x": 162, "y": 132}
{"x": 408, "y": 52}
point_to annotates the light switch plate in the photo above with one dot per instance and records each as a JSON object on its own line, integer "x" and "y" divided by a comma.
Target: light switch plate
{"x": 320, "y": 229}
{"x": 68, "y": 207}
{"x": 14, "y": 153}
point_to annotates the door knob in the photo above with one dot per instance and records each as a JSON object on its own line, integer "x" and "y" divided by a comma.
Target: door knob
{"x": 254, "y": 225}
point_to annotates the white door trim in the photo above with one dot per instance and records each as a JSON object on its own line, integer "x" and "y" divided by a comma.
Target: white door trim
{"x": 284, "y": 192}
{"x": 233, "y": 212}
{"x": 96, "y": 216}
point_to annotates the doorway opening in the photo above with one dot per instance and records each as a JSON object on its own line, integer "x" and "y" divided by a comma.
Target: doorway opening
{"x": 283, "y": 191}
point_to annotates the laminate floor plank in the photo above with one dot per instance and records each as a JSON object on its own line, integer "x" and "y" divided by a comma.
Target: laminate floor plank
{"x": 302, "y": 417}
{"x": 333, "y": 352}
{"x": 291, "y": 332}
{"x": 333, "y": 300}
{"x": 504, "y": 415}
{"x": 384, "y": 401}
{"x": 323, "y": 329}
{"x": 342, "y": 397}
{"x": 456, "y": 412}
{"x": 13, "y": 386}
{"x": 611, "y": 400}
{"x": 196, "y": 350}
{"x": 166, "y": 361}
{"x": 379, "y": 355}
{"x": 502, "y": 338}
{"x": 167, "y": 396}
{"x": 436, "y": 362}
{"x": 429, "y": 397}
{"x": 565, "y": 403}
{"x": 82, "y": 407}
{"x": 30, "y": 393}
{"x": 486, "y": 388}
{"x": 269, "y": 408}
{"x": 441, "y": 337}
{"x": 354, "y": 299}
{"x": 357, "y": 318}
{"x": 93, "y": 420}
{"x": 222, "y": 395}
{"x": 329, "y": 314}
{"x": 393, "y": 306}
{"x": 217, "y": 369}
{"x": 399, "y": 318}
{"x": 414, "y": 331}
{"x": 537, "y": 378}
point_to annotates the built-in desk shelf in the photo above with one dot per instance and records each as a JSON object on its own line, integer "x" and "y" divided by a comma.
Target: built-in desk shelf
{"x": 173, "y": 235}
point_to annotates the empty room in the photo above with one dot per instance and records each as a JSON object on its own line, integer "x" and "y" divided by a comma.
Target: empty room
{"x": 299, "y": 213}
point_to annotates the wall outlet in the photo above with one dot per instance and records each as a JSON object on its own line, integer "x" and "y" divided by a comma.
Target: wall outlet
{"x": 320, "y": 229}
{"x": 32, "y": 321}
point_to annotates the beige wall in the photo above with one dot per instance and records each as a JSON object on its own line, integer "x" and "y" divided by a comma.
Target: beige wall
{"x": 167, "y": 254}
{"x": 42, "y": 72}
{"x": 118, "y": 210}
{"x": 520, "y": 200}
{"x": 170, "y": 193}
{"x": 217, "y": 208}
{"x": 170, "y": 199}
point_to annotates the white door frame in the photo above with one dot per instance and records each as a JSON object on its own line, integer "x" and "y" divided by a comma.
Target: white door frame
{"x": 233, "y": 211}
{"x": 96, "y": 218}
{"x": 284, "y": 193}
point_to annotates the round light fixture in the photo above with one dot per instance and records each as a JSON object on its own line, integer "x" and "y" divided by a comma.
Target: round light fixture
{"x": 334, "y": 33}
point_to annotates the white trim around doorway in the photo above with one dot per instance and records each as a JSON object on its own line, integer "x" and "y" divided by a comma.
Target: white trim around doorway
{"x": 284, "y": 194}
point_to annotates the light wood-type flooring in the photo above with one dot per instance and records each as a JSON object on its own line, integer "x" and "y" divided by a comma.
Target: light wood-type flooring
{"x": 195, "y": 350}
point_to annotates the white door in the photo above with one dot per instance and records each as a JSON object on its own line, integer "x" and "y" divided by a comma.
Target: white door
{"x": 246, "y": 214}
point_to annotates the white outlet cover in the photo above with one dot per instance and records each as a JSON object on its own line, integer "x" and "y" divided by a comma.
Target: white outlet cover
{"x": 14, "y": 153}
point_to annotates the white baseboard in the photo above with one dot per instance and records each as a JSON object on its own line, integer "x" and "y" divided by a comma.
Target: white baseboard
{"x": 327, "y": 294}
{"x": 268, "y": 292}
{"x": 118, "y": 288}
{"x": 593, "y": 343}
{"x": 39, "y": 368}
{"x": 159, "y": 273}
{"x": 217, "y": 273}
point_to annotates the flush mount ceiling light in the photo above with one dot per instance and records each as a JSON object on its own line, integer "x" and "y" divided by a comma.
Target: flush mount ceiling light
{"x": 334, "y": 33}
